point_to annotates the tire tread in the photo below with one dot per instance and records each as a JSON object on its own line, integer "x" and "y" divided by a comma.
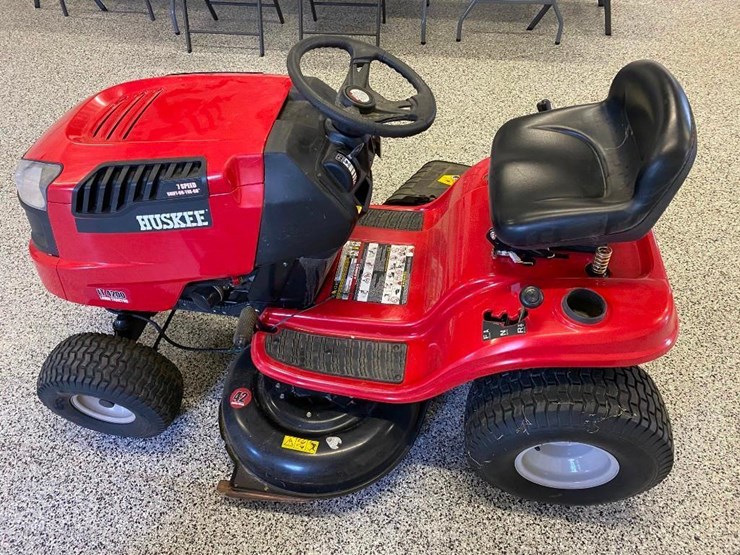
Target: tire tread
{"x": 625, "y": 400}
{"x": 106, "y": 363}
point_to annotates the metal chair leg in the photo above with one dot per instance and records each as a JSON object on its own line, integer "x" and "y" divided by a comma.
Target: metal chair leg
{"x": 313, "y": 10}
{"x": 601, "y": 3}
{"x": 424, "y": 6}
{"x": 538, "y": 17}
{"x": 383, "y": 1}
{"x": 378, "y": 19}
{"x": 37, "y": 4}
{"x": 149, "y": 9}
{"x": 279, "y": 11}
{"x": 607, "y": 17}
{"x": 173, "y": 16}
{"x": 101, "y": 6}
{"x": 465, "y": 14}
{"x": 63, "y": 4}
{"x": 260, "y": 28}
{"x": 214, "y": 15}
{"x": 186, "y": 21}
{"x": 300, "y": 19}
{"x": 560, "y": 22}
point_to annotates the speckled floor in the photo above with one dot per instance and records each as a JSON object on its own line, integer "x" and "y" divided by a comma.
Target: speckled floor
{"x": 69, "y": 490}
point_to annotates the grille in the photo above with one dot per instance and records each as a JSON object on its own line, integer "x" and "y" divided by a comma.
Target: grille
{"x": 113, "y": 188}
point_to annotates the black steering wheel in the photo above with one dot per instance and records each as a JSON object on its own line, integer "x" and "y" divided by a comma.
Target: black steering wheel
{"x": 356, "y": 108}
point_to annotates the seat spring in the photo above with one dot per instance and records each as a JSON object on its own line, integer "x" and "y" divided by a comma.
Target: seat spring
{"x": 600, "y": 265}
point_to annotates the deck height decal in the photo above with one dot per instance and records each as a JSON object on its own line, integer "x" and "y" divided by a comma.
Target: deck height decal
{"x": 374, "y": 273}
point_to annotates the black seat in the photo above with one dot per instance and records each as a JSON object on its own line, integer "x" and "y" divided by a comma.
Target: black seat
{"x": 594, "y": 174}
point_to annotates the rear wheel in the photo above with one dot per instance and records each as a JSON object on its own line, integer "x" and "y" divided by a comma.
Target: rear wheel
{"x": 111, "y": 384}
{"x": 569, "y": 436}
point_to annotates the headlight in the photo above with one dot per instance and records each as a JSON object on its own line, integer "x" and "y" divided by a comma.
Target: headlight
{"x": 32, "y": 178}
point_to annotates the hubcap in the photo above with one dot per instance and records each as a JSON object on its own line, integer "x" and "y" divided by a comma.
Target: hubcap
{"x": 100, "y": 409}
{"x": 566, "y": 465}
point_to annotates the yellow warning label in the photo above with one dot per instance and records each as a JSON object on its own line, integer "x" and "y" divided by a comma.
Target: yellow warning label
{"x": 300, "y": 444}
{"x": 448, "y": 179}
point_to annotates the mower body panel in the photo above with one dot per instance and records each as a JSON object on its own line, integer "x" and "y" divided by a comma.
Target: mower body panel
{"x": 455, "y": 288}
{"x": 265, "y": 201}
{"x": 220, "y": 119}
{"x": 216, "y": 116}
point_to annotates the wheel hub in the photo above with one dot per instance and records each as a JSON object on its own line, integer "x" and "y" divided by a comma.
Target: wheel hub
{"x": 566, "y": 465}
{"x": 102, "y": 409}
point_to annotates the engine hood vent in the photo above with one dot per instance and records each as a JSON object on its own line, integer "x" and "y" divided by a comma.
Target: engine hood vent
{"x": 119, "y": 118}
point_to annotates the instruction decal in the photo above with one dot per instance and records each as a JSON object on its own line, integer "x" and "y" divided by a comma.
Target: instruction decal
{"x": 493, "y": 330}
{"x": 503, "y": 325}
{"x": 374, "y": 273}
{"x": 299, "y": 444}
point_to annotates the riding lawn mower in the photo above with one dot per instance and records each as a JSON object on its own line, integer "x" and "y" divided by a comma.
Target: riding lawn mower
{"x": 534, "y": 275}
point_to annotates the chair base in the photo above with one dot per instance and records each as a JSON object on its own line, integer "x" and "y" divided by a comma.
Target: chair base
{"x": 380, "y": 17}
{"x": 547, "y": 4}
{"x": 260, "y": 34}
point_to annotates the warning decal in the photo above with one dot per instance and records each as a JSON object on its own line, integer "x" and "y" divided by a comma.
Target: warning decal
{"x": 299, "y": 444}
{"x": 448, "y": 179}
{"x": 374, "y": 273}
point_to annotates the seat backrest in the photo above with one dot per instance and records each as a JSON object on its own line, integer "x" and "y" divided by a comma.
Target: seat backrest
{"x": 663, "y": 127}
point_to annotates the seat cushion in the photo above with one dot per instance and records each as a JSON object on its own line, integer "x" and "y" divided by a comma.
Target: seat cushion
{"x": 561, "y": 177}
{"x": 593, "y": 174}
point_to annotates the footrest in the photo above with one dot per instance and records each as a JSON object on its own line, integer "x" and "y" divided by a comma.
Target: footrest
{"x": 427, "y": 184}
{"x": 378, "y": 361}
{"x": 403, "y": 220}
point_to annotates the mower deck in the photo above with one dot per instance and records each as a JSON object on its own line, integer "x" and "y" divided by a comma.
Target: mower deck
{"x": 419, "y": 305}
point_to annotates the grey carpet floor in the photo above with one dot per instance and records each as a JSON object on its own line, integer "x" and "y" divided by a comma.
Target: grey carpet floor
{"x": 69, "y": 490}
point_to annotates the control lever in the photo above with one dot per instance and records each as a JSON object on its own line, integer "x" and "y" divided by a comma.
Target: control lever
{"x": 245, "y": 327}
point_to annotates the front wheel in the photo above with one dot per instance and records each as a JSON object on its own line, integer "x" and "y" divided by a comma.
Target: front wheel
{"x": 111, "y": 384}
{"x": 573, "y": 436}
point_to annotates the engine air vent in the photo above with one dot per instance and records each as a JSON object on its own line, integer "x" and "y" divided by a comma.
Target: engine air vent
{"x": 120, "y": 117}
{"x": 113, "y": 188}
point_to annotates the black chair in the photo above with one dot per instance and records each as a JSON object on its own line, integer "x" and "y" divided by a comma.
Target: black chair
{"x": 260, "y": 34}
{"x": 595, "y": 174}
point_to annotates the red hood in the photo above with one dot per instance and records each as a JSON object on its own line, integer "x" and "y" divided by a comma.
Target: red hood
{"x": 222, "y": 117}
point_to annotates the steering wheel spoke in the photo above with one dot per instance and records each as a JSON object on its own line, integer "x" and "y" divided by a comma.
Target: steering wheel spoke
{"x": 358, "y": 74}
{"x": 387, "y": 111}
